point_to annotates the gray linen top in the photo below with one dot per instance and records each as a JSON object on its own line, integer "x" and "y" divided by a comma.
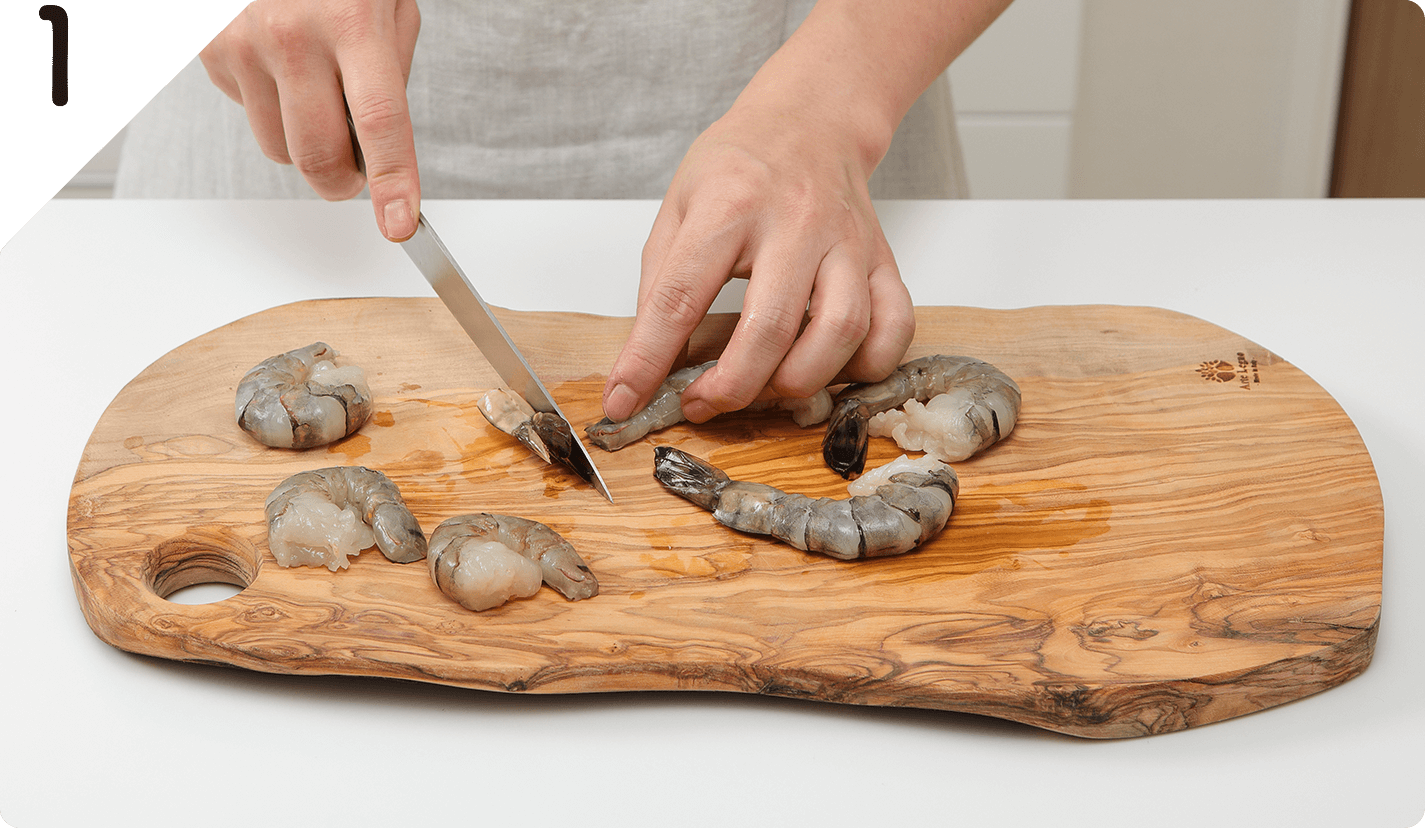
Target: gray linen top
{"x": 538, "y": 99}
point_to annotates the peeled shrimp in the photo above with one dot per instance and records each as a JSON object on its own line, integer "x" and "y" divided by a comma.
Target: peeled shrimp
{"x": 904, "y": 512}
{"x": 325, "y": 516}
{"x": 666, "y": 410}
{"x": 302, "y": 399}
{"x": 984, "y": 401}
{"x": 482, "y": 561}
{"x": 546, "y": 434}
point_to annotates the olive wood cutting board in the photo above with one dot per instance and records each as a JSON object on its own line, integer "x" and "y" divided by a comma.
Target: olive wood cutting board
{"x": 1183, "y": 528}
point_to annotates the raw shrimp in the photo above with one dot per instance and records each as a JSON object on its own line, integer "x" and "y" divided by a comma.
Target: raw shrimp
{"x": 904, "y": 512}
{"x": 546, "y": 434}
{"x": 482, "y": 561}
{"x": 326, "y": 515}
{"x": 666, "y": 409}
{"x": 806, "y": 411}
{"x": 986, "y": 404}
{"x": 302, "y": 399}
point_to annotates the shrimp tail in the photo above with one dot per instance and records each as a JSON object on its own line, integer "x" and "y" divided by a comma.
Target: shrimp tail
{"x": 566, "y": 572}
{"x": 398, "y": 534}
{"x": 553, "y": 431}
{"x": 689, "y": 477}
{"x": 609, "y": 435}
{"x": 847, "y": 433}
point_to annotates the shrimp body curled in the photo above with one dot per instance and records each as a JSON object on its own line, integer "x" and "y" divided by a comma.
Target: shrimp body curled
{"x": 992, "y": 402}
{"x": 482, "y": 560}
{"x": 301, "y": 399}
{"x": 908, "y": 510}
{"x": 293, "y": 506}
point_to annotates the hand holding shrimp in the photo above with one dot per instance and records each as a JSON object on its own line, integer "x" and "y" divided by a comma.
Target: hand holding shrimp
{"x": 777, "y": 191}
{"x": 666, "y": 410}
{"x": 818, "y": 251}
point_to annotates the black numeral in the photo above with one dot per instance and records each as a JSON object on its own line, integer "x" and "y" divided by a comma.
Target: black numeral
{"x": 59, "y": 20}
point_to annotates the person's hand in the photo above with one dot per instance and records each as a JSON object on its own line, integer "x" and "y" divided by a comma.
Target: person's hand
{"x": 776, "y": 191}
{"x": 778, "y": 195}
{"x": 295, "y": 65}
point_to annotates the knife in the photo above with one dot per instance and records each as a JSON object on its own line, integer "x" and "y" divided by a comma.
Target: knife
{"x": 463, "y": 301}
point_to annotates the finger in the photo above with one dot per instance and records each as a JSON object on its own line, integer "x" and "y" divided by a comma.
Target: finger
{"x": 318, "y": 141}
{"x": 376, "y": 97}
{"x": 258, "y": 92}
{"x": 839, "y": 321}
{"x": 216, "y": 65}
{"x": 772, "y": 314}
{"x": 655, "y": 249}
{"x": 892, "y": 326}
{"x": 235, "y": 65}
{"x": 408, "y": 29}
{"x": 674, "y": 302}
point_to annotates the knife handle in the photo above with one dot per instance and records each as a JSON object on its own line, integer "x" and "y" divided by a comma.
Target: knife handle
{"x": 355, "y": 144}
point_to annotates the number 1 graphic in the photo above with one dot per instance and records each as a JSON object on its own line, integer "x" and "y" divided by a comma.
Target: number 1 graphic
{"x": 59, "y": 84}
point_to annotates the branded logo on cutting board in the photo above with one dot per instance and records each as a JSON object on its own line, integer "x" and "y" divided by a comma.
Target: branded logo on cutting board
{"x": 1243, "y": 372}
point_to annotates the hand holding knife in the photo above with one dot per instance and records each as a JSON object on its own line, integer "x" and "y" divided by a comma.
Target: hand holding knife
{"x": 464, "y": 303}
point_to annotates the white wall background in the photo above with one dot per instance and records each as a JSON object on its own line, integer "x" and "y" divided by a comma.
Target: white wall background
{"x": 1127, "y": 99}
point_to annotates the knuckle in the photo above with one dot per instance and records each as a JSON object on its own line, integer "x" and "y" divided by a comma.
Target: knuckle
{"x": 322, "y": 164}
{"x": 380, "y": 114}
{"x": 728, "y": 393}
{"x": 875, "y": 364}
{"x": 351, "y": 23}
{"x": 772, "y": 329}
{"x": 794, "y": 387}
{"x": 286, "y": 32}
{"x": 673, "y": 302}
{"x": 846, "y": 328}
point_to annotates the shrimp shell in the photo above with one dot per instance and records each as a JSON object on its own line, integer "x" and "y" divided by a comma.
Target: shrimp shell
{"x": 666, "y": 410}
{"x": 906, "y": 511}
{"x": 546, "y": 434}
{"x": 370, "y": 493}
{"x": 560, "y": 565}
{"x": 286, "y": 401}
{"x": 663, "y": 411}
{"x": 992, "y": 414}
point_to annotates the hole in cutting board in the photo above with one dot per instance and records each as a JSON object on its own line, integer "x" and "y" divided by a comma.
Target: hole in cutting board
{"x": 202, "y": 566}
{"x": 210, "y": 593}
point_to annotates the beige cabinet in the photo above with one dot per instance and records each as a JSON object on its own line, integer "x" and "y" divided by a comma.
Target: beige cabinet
{"x": 1153, "y": 99}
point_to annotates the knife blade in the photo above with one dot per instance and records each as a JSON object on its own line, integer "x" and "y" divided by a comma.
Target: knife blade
{"x": 455, "y": 289}
{"x": 463, "y": 301}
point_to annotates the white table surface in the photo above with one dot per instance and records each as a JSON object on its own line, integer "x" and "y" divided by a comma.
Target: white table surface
{"x": 89, "y": 735}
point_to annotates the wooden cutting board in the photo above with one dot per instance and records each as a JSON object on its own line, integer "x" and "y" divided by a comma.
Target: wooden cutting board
{"x": 1183, "y": 528}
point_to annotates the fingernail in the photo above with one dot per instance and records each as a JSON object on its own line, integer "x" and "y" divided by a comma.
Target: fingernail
{"x": 619, "y": 403}
{"x": 400, "y": 224}
{"x": 698, "y": 411}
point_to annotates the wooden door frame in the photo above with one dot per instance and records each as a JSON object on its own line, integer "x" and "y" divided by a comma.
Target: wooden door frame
{"x": 1380, "y": 127}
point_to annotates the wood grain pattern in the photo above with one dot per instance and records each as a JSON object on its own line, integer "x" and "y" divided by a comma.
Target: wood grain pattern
{"x": 1182, "y": 529}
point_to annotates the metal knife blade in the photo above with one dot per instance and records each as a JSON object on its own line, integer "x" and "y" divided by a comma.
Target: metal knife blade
{"x": 464, "y": 303}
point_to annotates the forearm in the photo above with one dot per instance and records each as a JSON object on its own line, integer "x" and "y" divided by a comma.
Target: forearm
{"x": 858, "y": 65}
